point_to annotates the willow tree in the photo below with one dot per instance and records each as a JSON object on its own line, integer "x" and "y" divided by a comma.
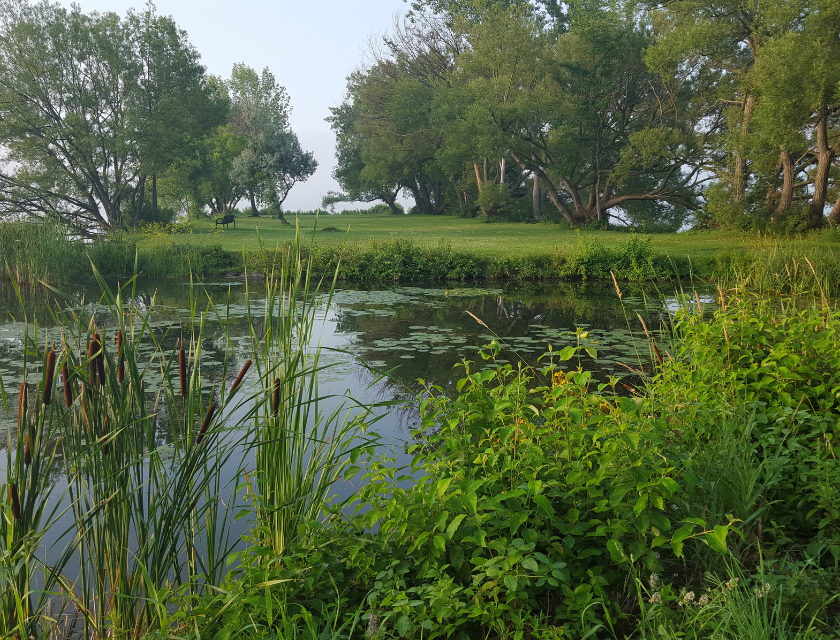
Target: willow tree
{"x": 580, "y": 110}
{"x": 272, "y": 161}
{"x": 769, "y": 72}
{"x": 87, "y": 103}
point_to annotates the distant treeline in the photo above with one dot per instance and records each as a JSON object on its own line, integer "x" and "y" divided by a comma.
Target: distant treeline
{"x": 718, "y": 112}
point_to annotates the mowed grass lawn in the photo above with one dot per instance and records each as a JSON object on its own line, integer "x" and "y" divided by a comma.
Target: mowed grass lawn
{"x": 489, "y": 240}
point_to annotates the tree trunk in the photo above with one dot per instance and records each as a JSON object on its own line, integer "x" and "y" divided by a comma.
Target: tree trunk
{"x": 154, "y": 196}
{"x": 502, "y": 171}
{"x": 141, "y": 197}
{"x": 477, "y": 177}
{"x": 281, "y": 217}
{"x": 552, "y": 192}
{"x": 786, "y": 195}
{"x": 741, "y": 170}
{"x": 823, "y": 167}
{"x": 834, "y": 216}
{"x": 537, "y": 199}
{"x": 254, "y": 211}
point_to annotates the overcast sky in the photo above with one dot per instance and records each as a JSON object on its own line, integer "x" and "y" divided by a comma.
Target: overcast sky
{"x": 310, "y": 46}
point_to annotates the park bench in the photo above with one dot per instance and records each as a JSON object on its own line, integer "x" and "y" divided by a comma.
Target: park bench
{"x": 226, "y": 220}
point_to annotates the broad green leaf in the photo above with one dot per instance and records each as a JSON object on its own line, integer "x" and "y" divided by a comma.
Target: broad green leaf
{"x": 545, "y": 504}
{"x": 516, "y": 521}
{"x": 530, "y": 564}
{"x": 440, "y": 543}
{"x": 403, "y": 625}
{"x": 567, "y": 353}
{"x": 511, "y": 582}
{"x": 453, "y": 526}
{"x": 717, "y": 538}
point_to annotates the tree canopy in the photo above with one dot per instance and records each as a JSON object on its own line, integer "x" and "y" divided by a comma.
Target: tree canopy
{"x": 626, "y": 111}
{"x": 96, "y": 109}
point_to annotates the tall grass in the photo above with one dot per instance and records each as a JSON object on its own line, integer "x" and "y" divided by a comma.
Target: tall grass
{"x": 33, "y": 251}
{"x": 302, "y": 447}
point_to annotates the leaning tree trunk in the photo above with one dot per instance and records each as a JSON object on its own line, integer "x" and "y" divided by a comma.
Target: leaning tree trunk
{"x": 741, "y": 170}
{"x": 254, "y": 211}
{"x": 834, "y": 216}
{"x": 786, "y": 195}
{"x": 817, "y": 212}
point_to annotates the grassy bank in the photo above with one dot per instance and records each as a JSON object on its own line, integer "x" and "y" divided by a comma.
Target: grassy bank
{"x": 409, "y": 249}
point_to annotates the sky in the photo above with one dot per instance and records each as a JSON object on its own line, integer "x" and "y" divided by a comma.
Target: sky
{"x": 310, "y": 46}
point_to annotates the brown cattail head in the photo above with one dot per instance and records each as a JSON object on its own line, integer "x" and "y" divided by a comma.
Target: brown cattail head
{"x": 93, "y": 347}
{"x": 22, "y": 402}
{"x": 49, "y": 376}
{"x": 275, "y": 401}
{"x": 106, "y": 447}
{"x": 85, "y": 396}
{"x": 658, "y": 355}
{"x": 182, "y": 370}
{"x": 15, "y": 500}
{"x": 204, "y": 425}
{"x": 121, "y": 365}
{"x": 68, "y": 390}
{"x": 239, "y": 378}
{"x": 27, "y": 453}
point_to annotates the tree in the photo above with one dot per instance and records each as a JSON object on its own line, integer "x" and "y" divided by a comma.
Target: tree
{"x": 272, "y": 161}
{"x": 80, "y": 106}
{"x": 357, "y": 184}
{"x": 176, "y": 106}
{"x": 770, "y": 72}
{"x": 580, "y": 111}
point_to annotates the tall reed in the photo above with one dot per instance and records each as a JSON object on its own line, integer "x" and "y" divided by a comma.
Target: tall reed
{"x": 38, "y": 250}
{"x": 26, "y": 512}
{"x": 302, "y": 446}
{"x": 143, "y": 475}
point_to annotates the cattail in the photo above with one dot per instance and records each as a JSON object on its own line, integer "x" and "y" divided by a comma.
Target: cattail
{"x": 22, "y": 401}
{"x": 658, "y": 355}
{"x": 106, "y": 447}
{"x": 92, "y": 349}
{"x": 68, "y": 390}
{"x": 48, "y": 377}
{"x": 182, "y": 369}
{"x": 121, "y": 366}
{"x": 239, "y": 378}
{"x": 204, "y": 425}
{"x": 15, "y": 500}
{"x": 275, "y": 404}
{"x": 85, "y": 397}
{"x": 27, "y": 453}
{"x": 100, "y": 359}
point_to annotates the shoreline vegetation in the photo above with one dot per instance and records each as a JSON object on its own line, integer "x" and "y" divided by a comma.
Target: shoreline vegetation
{"x": 701, "y": 503}
{"x": 34, "y": 252}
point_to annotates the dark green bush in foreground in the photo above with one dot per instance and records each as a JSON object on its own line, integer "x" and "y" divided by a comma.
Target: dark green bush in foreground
{"x": 538, "y": 505}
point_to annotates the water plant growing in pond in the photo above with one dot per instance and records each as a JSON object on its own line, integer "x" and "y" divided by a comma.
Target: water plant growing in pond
{"x": 139, "y": 456}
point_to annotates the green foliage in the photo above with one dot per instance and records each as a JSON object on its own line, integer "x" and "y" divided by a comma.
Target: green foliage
{"x": 633, "y": 260}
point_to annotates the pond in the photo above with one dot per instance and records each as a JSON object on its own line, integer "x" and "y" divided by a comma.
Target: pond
{"x": 411, "y": 332}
